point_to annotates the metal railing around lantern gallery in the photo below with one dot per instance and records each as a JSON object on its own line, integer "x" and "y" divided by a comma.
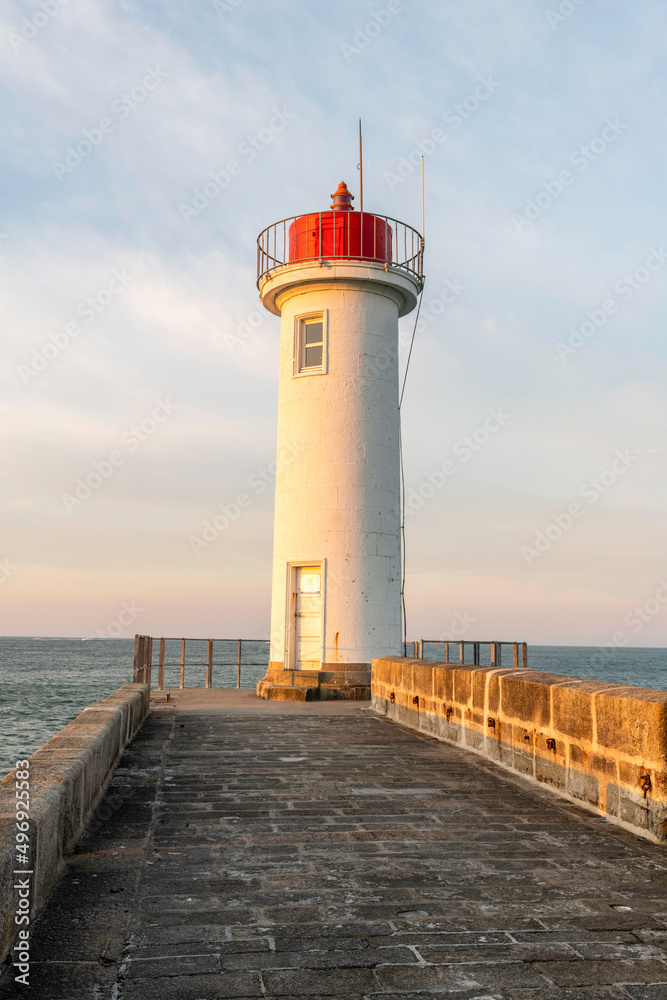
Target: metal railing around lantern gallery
{"x": 473, "y": 654}
{"x": 234, "y": 657}
{"x": 323, "y": 236}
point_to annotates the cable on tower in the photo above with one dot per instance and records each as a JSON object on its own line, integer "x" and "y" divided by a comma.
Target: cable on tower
{"x": 400, "y": 430}
{"x": 402, "y": 470}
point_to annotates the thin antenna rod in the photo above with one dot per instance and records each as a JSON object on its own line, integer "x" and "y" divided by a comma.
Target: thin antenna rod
{"x": 423, "y": 225}
{"x": 361, "y": 171}
{"x": 422, "y": 197}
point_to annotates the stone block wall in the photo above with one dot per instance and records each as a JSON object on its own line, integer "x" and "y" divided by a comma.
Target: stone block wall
{"x": 601, "y": 745}
{"x": 68, "y": 777}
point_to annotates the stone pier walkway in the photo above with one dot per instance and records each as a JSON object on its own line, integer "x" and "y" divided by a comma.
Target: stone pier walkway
{"x": 252, "y": 848}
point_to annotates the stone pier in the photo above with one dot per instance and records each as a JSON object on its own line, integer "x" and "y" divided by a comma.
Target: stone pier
{"x": 251, "y": 848}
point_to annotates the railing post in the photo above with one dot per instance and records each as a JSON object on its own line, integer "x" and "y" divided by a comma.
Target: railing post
{"x": 496, "y": 654}
{"x": 149, "y": 660}
{"x": 238, "y": 665}
{"x": 475, "y": 654}
{"x": 421, "y": 649}
{"x": 209, "y": 663}
{"x": 446, "y": 652}
{"x": 515, "y": 654}
{"x": 160, "y": 672}
{"x": 461, "y": 653}
{"x": 182, "y": 664}
{"x": 525, "y": 655}
{"x": 138, "y": 665}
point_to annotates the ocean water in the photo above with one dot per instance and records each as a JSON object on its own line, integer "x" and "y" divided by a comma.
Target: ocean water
{"x": 639, "y": 667}
{"x": 45, "y": 683}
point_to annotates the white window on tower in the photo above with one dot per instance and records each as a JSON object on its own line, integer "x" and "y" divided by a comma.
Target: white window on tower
{"x": 310, "y": 353}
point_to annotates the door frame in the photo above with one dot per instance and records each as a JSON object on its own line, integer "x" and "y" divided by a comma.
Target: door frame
{"x": 290, "y": 599}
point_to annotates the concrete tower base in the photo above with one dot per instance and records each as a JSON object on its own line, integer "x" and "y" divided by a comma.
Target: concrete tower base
{"x": 335, "y": 681}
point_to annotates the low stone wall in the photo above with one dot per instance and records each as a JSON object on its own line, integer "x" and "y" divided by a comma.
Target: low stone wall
{"x": 601, "y": 745}
{"x": 68, "y": 777}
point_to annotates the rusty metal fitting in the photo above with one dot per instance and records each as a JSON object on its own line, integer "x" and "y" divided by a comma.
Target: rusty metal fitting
{"x": 645, "y": 783}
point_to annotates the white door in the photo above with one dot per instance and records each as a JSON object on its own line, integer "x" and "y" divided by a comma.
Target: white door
{"x": 308, "y": 618}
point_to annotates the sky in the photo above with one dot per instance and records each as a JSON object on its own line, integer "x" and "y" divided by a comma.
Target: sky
{"x": 136, "y": 356}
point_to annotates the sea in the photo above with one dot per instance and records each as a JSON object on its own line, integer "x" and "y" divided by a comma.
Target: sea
{"x": 46, "y": 682}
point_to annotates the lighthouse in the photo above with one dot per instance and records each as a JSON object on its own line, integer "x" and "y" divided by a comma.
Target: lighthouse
{"x": 339, "y": 280}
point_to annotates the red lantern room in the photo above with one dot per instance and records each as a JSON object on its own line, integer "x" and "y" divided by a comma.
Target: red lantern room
{"x": 340, "y": 233}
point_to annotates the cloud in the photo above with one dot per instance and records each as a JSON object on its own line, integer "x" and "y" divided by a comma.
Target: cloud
{"x": 188, "y": 324}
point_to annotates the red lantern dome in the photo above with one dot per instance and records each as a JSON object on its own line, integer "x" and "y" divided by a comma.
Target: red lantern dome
{"x": 340, "y": 233}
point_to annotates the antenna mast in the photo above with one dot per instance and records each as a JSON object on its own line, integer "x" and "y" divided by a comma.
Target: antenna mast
{"x": 361, "y": 172}
{"x": 422, "y": 254}
{"x": 422, "y": 197}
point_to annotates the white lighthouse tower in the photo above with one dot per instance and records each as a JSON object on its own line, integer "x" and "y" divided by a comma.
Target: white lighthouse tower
{"x": 339, "y": 280}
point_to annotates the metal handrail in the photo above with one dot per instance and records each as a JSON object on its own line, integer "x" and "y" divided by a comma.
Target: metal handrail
{"x": 143, "y": 659}
{"x": 270, "y": 256}
{"x": 519, "y": 650}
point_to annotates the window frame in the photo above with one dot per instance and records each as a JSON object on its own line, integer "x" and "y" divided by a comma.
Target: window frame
{"x": 299, "y": 352}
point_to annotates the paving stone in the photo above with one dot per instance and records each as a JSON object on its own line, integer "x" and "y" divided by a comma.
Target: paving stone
{"x": 655, "y": 992}
{"x": 584, "y": 993}
{"x": 585, "y": 973}
{"x": 333, "y": 958}
{"x": 496, "y": 994}
{"x": 316, "y": 982}
{"x": 606, "y": 951}
{"x": 171, "y": 965}
{"x": 453, "y": 977}
{"x": 577, "y": 935}
{"x": 455, "y": 954}
{"x": 229, "y": 984}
